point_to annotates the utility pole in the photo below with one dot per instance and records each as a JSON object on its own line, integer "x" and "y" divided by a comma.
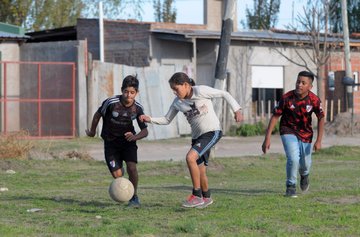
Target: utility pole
{"x": 346, "y": 38}
{"x": 221, "y": 64}
{"x": 348, "y": 72}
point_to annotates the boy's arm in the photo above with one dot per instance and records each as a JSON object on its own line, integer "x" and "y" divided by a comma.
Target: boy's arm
{"x": 96, "y": 118}
{"x": 170, "y": 115}
{"x": 272, "y": 123}
{"x": 320, "y": 133}
{"x": 129, "y": 136}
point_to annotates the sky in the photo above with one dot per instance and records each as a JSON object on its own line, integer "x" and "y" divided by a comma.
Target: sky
{"x": 191, "y": 11}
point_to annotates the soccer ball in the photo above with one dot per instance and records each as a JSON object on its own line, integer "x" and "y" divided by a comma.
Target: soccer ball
{"x": 121, "y": 189}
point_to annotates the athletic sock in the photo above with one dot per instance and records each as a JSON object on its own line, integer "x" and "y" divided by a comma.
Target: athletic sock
{"x": 206, "y": 194}
{"x": 196, "y": 192}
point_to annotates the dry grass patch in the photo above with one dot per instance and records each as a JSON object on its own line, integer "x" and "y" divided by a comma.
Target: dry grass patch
{"x": 14, "y": 145}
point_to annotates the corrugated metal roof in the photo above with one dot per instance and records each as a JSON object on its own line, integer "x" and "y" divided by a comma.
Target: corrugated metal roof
{"x": 10, "y": 36}
{"x": 251, "y": 35}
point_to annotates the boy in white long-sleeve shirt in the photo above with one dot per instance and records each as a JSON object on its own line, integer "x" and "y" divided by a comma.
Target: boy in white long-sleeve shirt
{"x": 196, "y": 104}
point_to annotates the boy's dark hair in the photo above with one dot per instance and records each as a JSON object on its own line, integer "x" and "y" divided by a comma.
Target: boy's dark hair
{"x": 179, "y": 78}
{"x": 130, "y": 81}
{"x": 306, "y": 74}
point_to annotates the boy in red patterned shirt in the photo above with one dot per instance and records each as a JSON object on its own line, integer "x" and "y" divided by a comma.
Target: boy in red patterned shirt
{"x": 295, "y": 109}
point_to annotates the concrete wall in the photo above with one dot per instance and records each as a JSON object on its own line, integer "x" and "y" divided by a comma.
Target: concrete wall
{"x": 10, "y": 52}
{"x": 154, "y": 94}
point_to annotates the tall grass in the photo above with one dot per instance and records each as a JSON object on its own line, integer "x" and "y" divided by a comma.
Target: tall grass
{"x": 71, "y": 197}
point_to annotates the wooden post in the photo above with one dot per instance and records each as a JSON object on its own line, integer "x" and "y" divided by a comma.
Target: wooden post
{"x": 331, "y": 110}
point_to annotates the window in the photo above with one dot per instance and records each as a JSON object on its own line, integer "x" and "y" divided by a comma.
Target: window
{"x": 267, "y": 87}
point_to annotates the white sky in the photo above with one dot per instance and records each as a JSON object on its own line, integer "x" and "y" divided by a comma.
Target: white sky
{"x": 191, "y": 11}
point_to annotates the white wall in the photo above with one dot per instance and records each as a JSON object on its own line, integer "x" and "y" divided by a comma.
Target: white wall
{"x": 10, "y": 52}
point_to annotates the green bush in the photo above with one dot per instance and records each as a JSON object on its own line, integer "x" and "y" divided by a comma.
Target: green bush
{"x": 247, "y": 130}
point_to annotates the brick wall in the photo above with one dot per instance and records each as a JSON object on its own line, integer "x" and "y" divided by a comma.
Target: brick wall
{"x": 125, "y": 42}
{"x": 357, "y": 101}
{"x": 336, "y": 63}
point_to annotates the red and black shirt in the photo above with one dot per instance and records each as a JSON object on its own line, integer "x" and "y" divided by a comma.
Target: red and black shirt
{"x": 118, "y": 119}
{"x": 296, "y": 114}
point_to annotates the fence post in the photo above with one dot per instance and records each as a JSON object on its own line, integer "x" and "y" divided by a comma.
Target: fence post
{"x": 331, "y": 110}
{"x": 326, "y": 109}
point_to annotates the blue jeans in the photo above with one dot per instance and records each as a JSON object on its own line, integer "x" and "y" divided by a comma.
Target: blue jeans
{"x": 298, "y": 155}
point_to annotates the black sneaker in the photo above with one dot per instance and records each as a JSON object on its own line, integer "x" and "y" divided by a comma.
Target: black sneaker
{"x": 290, "y": 191}
{"x": 134, "y": 202}
{"x": 304, "y": 183}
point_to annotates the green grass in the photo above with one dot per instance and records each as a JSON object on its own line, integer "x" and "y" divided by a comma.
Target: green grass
{"x": 248, "y": 194}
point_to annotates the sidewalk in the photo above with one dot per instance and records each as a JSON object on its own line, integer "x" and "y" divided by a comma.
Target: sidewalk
{"x": 176, "y": 149}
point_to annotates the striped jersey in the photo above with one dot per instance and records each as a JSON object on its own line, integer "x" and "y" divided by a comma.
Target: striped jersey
{"x": 296, "y": 114}
{"x": 118, "y": 119}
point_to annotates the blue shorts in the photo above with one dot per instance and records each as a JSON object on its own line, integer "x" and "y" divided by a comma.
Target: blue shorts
{"x": 203, "y": 144}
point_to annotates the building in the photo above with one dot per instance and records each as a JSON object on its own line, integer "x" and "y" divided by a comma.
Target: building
{"x": 259, "y": 71}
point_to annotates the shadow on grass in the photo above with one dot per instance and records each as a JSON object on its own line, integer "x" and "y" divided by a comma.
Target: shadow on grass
{"x": 244, "y": 192}
{"x": 67, "y": 201}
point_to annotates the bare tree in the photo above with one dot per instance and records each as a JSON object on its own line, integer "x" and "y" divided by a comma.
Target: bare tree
{"x": 315, "y": 41}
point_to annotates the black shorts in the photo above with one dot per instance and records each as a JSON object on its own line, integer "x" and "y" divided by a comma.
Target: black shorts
{"x": 203, "y": 144}
{"x": 119, "y": 150}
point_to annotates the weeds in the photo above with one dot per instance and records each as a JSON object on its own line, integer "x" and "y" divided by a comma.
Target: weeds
{"x": 247, "y": 130}
{"x": 13, "y": 145}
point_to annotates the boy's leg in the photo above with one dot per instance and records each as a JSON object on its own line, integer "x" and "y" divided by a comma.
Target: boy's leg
{"x": 133, "y": 174}
{"x": 291, "y": 147}
{"x": 204, "y": 184}
{"x": 195, "y": 199}
{"x": 112, "y": 160}
{"x": 191, "y": 160}
{"x": 305, "y": 158}
{"x": 129, "y": 155}
{"x": 305, "y": 165}
{"x": 198, "y": 158}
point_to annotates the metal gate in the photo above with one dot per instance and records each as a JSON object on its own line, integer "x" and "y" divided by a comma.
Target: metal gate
{"x": 38, "y": 97}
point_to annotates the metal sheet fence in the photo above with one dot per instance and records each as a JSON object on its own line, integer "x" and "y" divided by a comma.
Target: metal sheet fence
{"x": 38, "y": 97}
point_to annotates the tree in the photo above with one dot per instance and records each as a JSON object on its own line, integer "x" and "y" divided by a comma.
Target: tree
{"x": 353, "y": 12}
{"x": 313, "y": 47}
{"x": 264, "y": 14}
{"x": 49, "y": 14}
{"x": 14, "y": 11}
{"x": 164, "y": 12}
{"x": 46, "y": 14}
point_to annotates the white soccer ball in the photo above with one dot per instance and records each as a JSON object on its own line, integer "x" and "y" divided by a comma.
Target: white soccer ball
{"x": 121, "y": 189}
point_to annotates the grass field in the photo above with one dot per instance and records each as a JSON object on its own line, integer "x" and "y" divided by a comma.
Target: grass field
{"x": 71, "y": 197}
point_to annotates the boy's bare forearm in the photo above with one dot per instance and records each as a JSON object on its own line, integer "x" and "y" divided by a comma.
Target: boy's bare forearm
{"x": 320, "y": 132}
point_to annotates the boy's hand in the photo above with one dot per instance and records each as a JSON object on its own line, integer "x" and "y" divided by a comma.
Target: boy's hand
{"x": 129, "y": 136}
{"x": 238, "y": 116}
{"x": 265, "y": 146}
{"x": 317, "y": 146}
{"x": 144, "y": 118}
{"x": 90, "y": 133}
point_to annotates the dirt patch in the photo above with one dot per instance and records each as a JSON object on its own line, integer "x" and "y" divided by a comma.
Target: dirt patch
{"x": 72, "y": 155}
{"x": 343, "y": 124}
{"x": 342, "y": 200}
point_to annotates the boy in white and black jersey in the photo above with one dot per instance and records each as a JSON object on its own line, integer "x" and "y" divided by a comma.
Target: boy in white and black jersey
{"x": 118, "y": 132}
